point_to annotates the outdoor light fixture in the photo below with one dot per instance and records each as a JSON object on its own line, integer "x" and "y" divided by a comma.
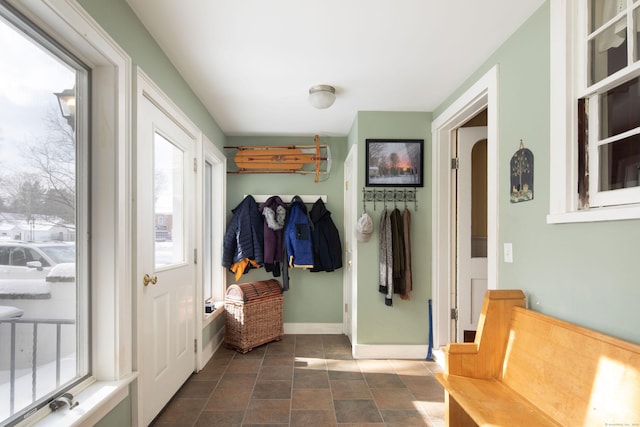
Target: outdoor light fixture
{"x": 67, "y": 102}
{"x": 322, "y": 96}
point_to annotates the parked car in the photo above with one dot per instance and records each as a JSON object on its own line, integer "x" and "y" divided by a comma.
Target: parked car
{"x": 33, "y": 260}
{"x": 9, "y": 312}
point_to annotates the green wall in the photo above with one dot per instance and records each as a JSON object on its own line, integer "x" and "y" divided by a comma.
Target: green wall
{"x": 117, "y": 19}
{"x": 119, "y": 416}
{"x": 210, "y": 331}
{"x": 407, "y": 321}
{"x": 312, "y": 297}
{"x": 584, "y": 273}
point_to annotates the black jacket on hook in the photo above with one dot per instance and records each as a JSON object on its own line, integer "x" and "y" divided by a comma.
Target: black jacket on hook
{"x": 327, "y": 249}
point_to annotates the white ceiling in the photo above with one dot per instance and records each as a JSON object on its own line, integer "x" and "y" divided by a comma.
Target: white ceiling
{"x": 251, "y": 62}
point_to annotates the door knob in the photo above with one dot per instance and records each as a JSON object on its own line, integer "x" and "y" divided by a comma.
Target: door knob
{"x": 148, "y": 279}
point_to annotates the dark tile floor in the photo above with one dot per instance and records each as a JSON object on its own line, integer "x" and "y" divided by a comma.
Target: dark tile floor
{"x": 307, "y": 380}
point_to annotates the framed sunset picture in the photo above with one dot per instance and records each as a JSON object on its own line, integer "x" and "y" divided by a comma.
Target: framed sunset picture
{"x": 394, "y": 163}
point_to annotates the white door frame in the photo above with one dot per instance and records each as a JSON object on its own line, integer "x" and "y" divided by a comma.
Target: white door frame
{"x": 149, "y": 90}
{"x": 350, "y": 293}
{"x": 483, "y": 94}
{"x": 209, "y": 153}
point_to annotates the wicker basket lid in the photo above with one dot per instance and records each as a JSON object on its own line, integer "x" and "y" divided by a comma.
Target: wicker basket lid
{"x": 253, "y": 290}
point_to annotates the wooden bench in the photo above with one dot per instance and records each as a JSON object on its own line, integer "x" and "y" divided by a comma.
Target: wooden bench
{"x": 528, "y": 369}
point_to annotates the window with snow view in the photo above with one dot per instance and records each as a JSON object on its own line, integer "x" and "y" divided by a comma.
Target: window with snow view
{"x": 44, "y": 298}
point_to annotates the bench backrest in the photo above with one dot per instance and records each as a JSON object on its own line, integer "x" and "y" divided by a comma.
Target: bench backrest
{"x": 577, "y": 376}
{"x": 483, "y": 357}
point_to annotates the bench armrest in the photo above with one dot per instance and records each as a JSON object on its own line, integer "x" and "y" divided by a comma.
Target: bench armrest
{"x": 462, "y": 348}
{"x": 483, "y": 358}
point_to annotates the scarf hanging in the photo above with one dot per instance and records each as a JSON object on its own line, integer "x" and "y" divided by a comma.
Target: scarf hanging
{"x": 386, "y": 258}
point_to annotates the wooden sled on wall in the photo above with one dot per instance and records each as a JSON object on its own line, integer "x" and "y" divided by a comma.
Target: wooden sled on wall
{"x": 302, "y": 159}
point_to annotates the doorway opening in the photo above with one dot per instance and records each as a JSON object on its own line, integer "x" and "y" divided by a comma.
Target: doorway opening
{"x": 480, "y": 97}
{"x": 469, "y": 231}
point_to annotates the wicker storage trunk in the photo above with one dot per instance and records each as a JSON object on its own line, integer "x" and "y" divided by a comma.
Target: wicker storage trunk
{"x": 254, "y": 314}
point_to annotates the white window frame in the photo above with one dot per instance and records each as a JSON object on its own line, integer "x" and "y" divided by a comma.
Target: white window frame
{"x": 112, "y": 327}
{"x": 218, "y": 162}
{"x": 567, "y": 84}
{"x": 79, "y": 308}
{"x": 210, "y": 154}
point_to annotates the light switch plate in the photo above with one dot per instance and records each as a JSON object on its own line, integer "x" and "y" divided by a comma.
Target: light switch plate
{"x": 508, "y": 252}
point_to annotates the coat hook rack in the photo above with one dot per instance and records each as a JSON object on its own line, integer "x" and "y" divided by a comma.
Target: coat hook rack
{"x": 386, "y": 197}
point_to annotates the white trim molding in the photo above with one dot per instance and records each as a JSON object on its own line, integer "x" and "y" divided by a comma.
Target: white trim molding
{"x": 350, "y": 273}
{"x": 111, "y": 312}
{"x": 566, "y": 77}
{"x": 390, "y": 351}
{"x": 71, "y": 26}
{"x": 209, "y": 350}
{"x": 97, "y": 399}
{"x": 208, "y": 153}
{"x": 563, "y": 164}
{"x": 306, "y": 198}
{"x": 483, "y": 94}
{"x": 313, "y": 328}
{"x": 148, "y": 90}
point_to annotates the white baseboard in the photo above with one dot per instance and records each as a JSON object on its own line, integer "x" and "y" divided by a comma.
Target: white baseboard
{"x": 385, "y": 351}
{"x": 212, "y": 347}
{"x": 438, "y": 357}
{"x": 361, "y": 351}
{"x": 312, "y": 328}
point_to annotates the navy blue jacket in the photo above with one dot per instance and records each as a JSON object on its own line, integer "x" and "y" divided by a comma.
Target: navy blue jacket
{"x": 244, "y": 235}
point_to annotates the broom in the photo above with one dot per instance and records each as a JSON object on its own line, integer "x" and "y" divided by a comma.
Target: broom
{"x": 430, "y": 351}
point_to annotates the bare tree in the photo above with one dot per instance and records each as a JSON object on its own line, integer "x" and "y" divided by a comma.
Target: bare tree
{"x": 26, "y": 195}
{"x": 394, "y": 159}
{"x": 413, "y": 151}
{"x": 54, "y": 158}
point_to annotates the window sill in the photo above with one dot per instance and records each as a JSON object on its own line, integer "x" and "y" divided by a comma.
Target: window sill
{"x": 209, "y": 317}
{"x": 615, "y": 213}
{"x": 94, "y": 402}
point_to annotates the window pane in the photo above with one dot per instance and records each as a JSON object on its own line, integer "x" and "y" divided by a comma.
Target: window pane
{"x": 583, "y": 152}
{"x": 602, "y": 11}
{"x": 168, "y": 173}
{"x": 43, "y": 276}
{"x": 595, "y": 15}
{"x": 636, "y": 20}
{"x": 608, "y": 51}
{"x": 208, "y": 230}
{"x": 620, "y": 109}
{"x": 479, "y": 200}
{"x": 620, "y": 164}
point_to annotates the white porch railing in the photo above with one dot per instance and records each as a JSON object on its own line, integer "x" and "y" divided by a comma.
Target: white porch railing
{"x": 23, "y": 365}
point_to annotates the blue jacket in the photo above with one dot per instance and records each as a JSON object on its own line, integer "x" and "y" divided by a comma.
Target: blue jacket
{"x": 244, "y": 235}
{"x": 298, "y": 235}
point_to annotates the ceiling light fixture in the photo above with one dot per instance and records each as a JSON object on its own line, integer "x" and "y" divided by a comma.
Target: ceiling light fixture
{"x": 322, "y": 96}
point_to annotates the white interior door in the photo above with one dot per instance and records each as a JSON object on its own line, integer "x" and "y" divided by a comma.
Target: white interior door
{"x": 350, "y": 215}
{"x": 165, "y": 268}
{"x": 472, "y": 228}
